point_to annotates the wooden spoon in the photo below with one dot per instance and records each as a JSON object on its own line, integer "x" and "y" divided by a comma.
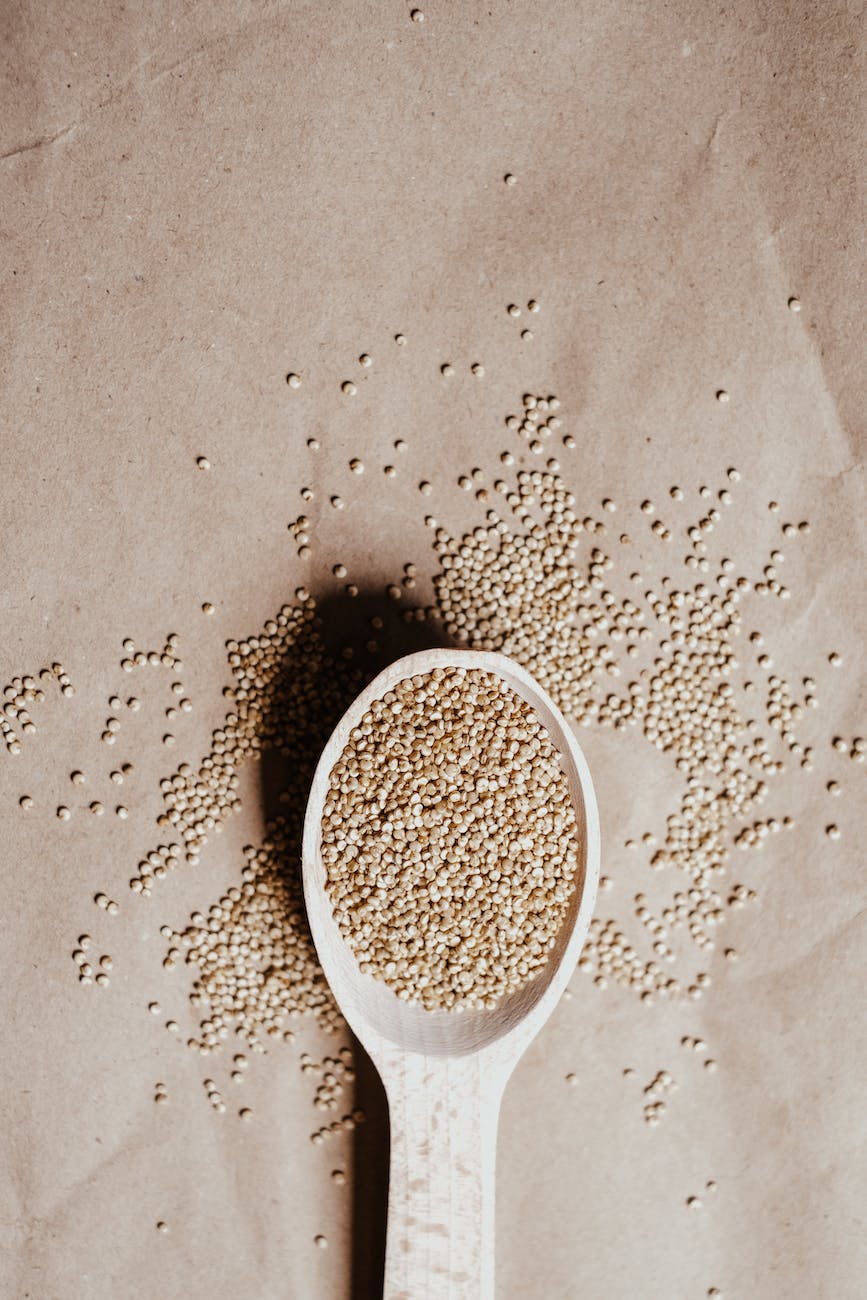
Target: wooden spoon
{"x": 444, "y": 1073}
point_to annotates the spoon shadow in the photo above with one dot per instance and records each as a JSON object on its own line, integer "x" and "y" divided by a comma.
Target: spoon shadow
{"x": 342, "y": 622}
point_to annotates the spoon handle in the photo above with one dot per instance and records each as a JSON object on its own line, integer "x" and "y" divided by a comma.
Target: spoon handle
{"x": 443, "y": 1115}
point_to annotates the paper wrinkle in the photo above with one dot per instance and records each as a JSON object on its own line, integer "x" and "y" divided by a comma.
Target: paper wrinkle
{"x": 849, "y": 452}
{"x": 712, "y": 144}
{"x": 824, "y": 945}
{"x": 33, "y": 1209}
{"x": 133, "y": 81}
{"x": 39, "y": 143}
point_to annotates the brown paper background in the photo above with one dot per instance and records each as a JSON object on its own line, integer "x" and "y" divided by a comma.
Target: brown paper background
{"x": 199, "y": 198}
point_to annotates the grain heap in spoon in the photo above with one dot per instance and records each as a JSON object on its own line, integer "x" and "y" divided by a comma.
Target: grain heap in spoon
{"x": 449, "y": 840}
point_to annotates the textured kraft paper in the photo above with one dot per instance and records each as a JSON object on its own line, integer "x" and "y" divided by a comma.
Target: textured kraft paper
{"x": 196, "y": 200}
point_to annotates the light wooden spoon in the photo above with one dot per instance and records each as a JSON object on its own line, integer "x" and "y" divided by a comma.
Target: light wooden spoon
{"x": 444, "y": 1073}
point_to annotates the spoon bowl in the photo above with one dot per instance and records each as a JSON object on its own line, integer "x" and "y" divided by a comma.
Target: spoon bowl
{"x": 444, "y": 1072}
